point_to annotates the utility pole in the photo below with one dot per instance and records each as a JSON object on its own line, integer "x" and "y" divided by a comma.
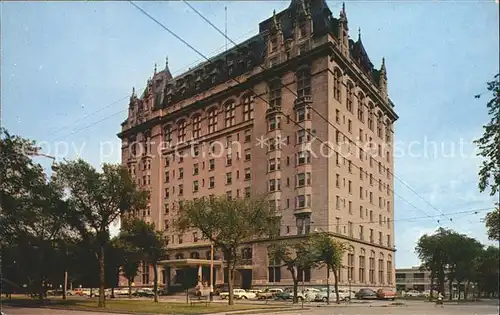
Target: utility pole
{"x": 211, "y": 272}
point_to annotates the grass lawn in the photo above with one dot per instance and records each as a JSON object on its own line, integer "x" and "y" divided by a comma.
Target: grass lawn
{"x": 134, "y": 306}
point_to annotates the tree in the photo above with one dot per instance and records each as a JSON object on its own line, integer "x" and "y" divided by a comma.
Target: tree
{"x": 149, "y": 242}
{"x": 130, "y": 261}
{"x": 33, "y": 226}
{"x": 431, "y": 252}
{"x": 295, "y": 257}
{"x": 229, "y": 223}
{"x": 329, "y": 252}
{"x": 96, "y": 200}
{"x": 487, "y": 272}
{"x": 492, "y": 222}
{"x": 489, "y": 150}
{"x": 489, "y": 143}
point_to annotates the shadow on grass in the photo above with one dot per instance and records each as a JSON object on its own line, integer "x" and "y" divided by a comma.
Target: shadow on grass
{"x": 134, "y": 306}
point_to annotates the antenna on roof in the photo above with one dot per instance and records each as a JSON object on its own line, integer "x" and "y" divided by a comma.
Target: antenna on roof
{"x": 225, "y": 24}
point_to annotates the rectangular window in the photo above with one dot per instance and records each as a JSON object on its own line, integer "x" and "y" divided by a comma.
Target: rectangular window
{"x": 303, "y": 83}
{"x": 211, "y": 182}
{"x": 248, "y": 154}
{"x": 229, "y": 178}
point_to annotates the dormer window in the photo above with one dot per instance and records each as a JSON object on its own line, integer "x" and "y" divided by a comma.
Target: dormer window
{"x": 274, "y": 44}
{"x": 302, "y": 31}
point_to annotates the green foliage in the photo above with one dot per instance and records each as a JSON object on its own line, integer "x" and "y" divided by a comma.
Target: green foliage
{"x": 492, "y": 222}
{"x": 294, "y": 256}
{"x": 97, "y": 199}
{"x": 33, "y": 225}
{"x": 489, "y": 143}
{"x": 455, "y": 257}
{"x": 149, "y": 243}
{"x": 228, "y": 223}
{"x": 329, "y": 252}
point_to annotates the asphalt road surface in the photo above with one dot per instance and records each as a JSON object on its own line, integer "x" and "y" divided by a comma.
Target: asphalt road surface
{"x": 44, "y": 311}
{"x": 412, "y": 308}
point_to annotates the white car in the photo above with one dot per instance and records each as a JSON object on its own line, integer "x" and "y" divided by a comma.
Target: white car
{"x": 412, "y": 293}
{"x": 243, "y": 294}
{"x": 239, "y": 294}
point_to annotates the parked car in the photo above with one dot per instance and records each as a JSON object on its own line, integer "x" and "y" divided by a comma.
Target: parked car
{"x": 144, "y": 293}
{"x": 412, "y": 293}
{"x": 383, "y": 294}
{"x": 366, "y": 294}
{"x": 268, "y": 293}
{"x": 121, "y": 291}
{"x": 287, "y": 294}
{"x": 310, "y": 293}
{"x": 343, "y": 295}
{"x": 238, "y": 294}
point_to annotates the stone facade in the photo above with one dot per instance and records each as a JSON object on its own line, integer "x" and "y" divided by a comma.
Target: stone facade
{"x": 297, "y": 111}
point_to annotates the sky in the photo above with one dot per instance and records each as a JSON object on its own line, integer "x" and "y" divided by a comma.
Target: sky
{"x": 68, "y": 69}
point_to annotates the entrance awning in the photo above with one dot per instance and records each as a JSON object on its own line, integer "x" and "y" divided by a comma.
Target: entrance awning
{"x": 190, "y": 262}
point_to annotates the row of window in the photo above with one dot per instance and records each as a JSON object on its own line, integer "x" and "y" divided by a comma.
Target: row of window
{"x": 360, "y": 276}
{"x": 382, "y": 128}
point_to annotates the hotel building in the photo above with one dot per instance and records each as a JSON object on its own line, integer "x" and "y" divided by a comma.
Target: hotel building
{"x": 285, "y": 113}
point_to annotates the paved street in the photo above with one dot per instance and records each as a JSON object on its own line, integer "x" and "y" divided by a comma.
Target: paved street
{"x": 42, "y": 311}
{"x": 412, "y": 308}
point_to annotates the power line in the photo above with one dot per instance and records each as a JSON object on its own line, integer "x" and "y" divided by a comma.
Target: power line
{"x": 87, "y": 116}
{"x": 313, "y": 109}
{"x": 259, "y": 96}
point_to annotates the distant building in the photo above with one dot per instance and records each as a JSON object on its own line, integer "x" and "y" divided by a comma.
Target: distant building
{"x": 415, "y": 279}
{"x": 194, "y": 136}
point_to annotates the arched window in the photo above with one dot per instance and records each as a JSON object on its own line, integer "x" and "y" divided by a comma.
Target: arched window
{"x": 371, "y": 263}
{"x": 389, "y": 269}
{"x": 381, "y": 269}
{"x": 370, "y": 115}
{"x": 337, "y": 83}
{"x": 181, "y": 131}
{"x": 179, "y": 256}
{"x": 349, "y": 96}
{"x": 212, "y": 120}
{"x": 229, "y": 114}
{"x": 380, "y": 123}
{"x": 147, "y": 141}
{"x": 196, "y": 126}
{"x": 361, "y": 107}
{"x": 350, "y": 265}
{"x": 275, "y": 93}
{"x": 167, "y": 135}
{"x": 133, "y": 146}
{"x": 247, "y": 102}
{"x": 362, "y": 266}
{"x": 303, "y": 82}
{"x": 388, "y": 131}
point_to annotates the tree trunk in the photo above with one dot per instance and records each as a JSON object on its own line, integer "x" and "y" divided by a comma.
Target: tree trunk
{"x": 432, "y": 287}
{"x": 295, "y": 290}
{"x": 458, "y": 289}
{"x": 336, "y": 284}
{"x": 230, "y": 273}
{"x": 102, "y": 280}
{"x": 155, "y": 279}
{"x": 327, "y": 285}
{"x": 450, "y": 289}
{"x": 129, "y": 288}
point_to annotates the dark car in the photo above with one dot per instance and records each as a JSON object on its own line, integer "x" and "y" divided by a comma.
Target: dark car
{"x": 366, "y": 294}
